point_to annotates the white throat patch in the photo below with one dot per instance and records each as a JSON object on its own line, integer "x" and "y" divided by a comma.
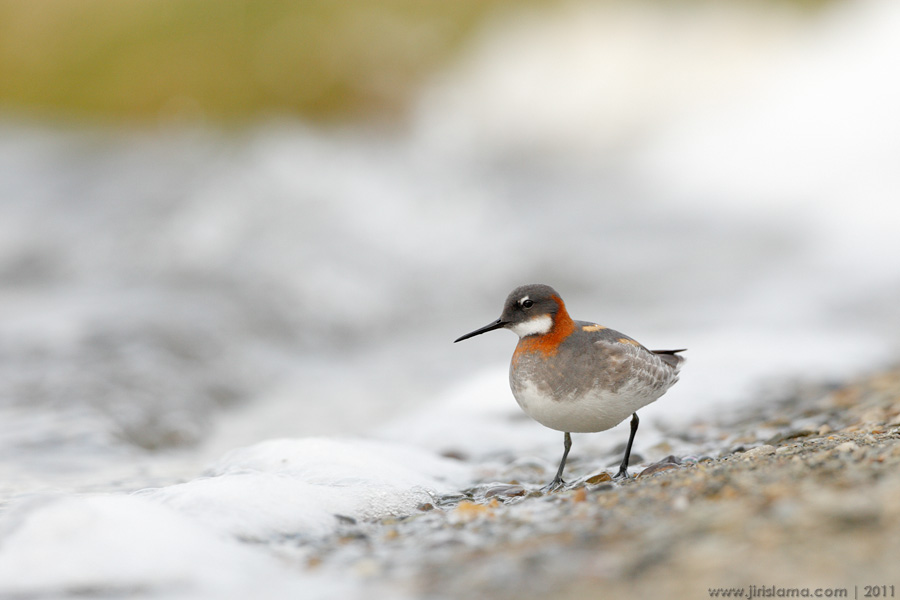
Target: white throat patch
{"x": 541, "y": 325}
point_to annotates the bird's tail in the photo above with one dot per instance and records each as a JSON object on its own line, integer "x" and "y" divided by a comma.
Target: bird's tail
{"x": 670, "y": 357}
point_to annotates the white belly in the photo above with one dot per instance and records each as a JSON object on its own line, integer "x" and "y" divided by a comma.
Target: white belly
{"x": 590, "y": 412}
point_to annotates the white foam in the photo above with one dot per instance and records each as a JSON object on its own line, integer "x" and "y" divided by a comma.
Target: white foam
{"x": 127, "y": 545}
{"x": 302, "y": 487}
{"x": 181, "y": 540}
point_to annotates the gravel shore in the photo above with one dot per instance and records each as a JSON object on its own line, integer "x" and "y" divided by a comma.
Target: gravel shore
{"x": 805, "y": 499}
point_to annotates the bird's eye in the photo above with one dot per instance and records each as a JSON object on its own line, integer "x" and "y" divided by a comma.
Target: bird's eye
{"x": 526, "y": 303}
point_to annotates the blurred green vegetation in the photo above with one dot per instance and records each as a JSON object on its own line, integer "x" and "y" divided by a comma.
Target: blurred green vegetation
{"x": 224, "y": 59}
{"x": 227, "y": 59}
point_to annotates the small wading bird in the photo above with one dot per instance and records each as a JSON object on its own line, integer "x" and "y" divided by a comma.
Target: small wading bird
{"x": 575, "y": 376}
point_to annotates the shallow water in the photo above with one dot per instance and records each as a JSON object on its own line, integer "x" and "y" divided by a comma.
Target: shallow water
{"x": 168, "y": 296}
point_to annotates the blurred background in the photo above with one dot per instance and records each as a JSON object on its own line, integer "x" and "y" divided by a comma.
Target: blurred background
{"x": 227, "y": 221}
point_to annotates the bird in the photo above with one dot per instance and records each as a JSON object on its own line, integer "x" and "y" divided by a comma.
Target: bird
{"x": 578, "y": 376}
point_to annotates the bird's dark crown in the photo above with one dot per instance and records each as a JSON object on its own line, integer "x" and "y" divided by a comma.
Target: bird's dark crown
{"x": 527, "y": 301}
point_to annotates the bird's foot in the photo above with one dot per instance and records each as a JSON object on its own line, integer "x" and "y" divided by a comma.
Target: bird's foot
{"x": 622, "y": 474}
{"x": 555, "y": 485}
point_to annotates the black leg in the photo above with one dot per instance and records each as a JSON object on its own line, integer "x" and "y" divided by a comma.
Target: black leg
{"x": 623, "y": 470}
{"x": 558, "y": 480}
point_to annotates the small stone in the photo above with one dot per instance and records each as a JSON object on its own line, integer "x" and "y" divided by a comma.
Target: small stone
{"x": 505, "y": 491}
{"x": 848, "y": 446}
{"x": 825, "y": 429}
{"x": 454, "y": 455}
{"x": 666, "y": 464}
{"x": 658, "y": 468}
{"x": 451, "y": 499}
{"x": 426, "y": 507}
{"x": 789, "y": 435}
{"x": 759, "y": 451}
{"x": 736, "y": 450}
{"x": 598, "y": 478}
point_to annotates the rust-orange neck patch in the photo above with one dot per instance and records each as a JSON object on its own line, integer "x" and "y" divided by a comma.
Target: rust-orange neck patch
{"x": 548, "y": 343}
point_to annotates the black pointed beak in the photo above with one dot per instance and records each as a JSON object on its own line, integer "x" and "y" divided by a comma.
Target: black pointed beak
{"x": 495, "y": 325}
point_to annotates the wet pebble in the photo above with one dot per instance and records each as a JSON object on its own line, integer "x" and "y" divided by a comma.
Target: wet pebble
{"x": 450, "y": 499}
{"x": 733, "y": 450}
{"x": 789, "y": 435}
{"x": 658, "y": 468}
{"x": 667, "y": 464}
{"x": 598, "y": 478}
{"x": 455, "y": 455}
{"x": 504, "y": 491}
